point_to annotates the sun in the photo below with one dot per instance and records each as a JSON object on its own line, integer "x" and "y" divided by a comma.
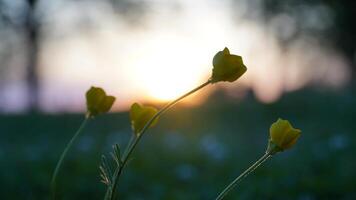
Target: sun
{"x": 166, "y": 68}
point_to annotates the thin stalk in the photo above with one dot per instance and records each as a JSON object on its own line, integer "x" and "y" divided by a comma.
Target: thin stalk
{"x": 138, "y": 138}
{"x": 131, "y": 141}
{"x": 63, "y": 155}
{"x": 243, "y": 175}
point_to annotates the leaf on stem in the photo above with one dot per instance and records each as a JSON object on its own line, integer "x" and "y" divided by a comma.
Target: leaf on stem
{"x": 105, "y": 171}
{"x": 116, "y": 155}
{"x": 106, "y": 168}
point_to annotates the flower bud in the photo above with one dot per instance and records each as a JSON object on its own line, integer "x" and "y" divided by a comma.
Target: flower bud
{"x": 140, "y": 116}
{"x": 282, "y": 136}
{"x": 227, "y": 67}
{"x": 98, "y": 102}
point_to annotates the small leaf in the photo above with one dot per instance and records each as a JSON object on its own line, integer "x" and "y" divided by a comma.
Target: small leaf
{"x": 98, "y": 102}
{"x": 140, "y": 116}
{"x": 227, "y": 67}
{"x": 105, "y": 171}
{"x": 116, "y": 155}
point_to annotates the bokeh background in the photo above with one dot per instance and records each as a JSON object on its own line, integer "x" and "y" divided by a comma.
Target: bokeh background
{"x": 300, "y": 56}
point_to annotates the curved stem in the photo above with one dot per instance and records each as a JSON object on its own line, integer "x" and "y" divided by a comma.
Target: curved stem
{"x": 243, "y": 175}
{"x": 131, "y": 141}
{"x": 138, "y": 138}
{"x": 63, "y": 155}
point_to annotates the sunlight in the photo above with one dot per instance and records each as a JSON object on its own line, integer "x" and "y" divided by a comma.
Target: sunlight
{"x": 166, "y": 67}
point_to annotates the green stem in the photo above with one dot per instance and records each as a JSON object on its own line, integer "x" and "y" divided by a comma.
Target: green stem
{"x": 131, "y": 141}
{"x": 63, "y": 155}
{"x": 138, "y": 138}
{"x": 243, "y": 175}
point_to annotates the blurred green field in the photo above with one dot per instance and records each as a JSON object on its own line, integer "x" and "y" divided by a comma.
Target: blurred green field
{"x": 192, "y": 153}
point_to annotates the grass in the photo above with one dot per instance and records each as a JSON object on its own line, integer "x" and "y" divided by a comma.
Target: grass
{"x": 195, "y": 160}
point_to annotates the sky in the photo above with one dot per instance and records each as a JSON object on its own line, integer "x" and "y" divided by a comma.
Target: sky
{"x": 165, "y": 50}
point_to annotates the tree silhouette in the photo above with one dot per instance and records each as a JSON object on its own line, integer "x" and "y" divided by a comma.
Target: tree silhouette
{"x": 32, "y": 32}
{"x": 22, "y": 20}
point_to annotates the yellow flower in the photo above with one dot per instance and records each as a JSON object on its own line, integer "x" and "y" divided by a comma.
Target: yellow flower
{"x": 140, "y": 116}
{"x": 98, "y": 102}
{"x": 282, "y": 136}
{"x": 227, "y": 67}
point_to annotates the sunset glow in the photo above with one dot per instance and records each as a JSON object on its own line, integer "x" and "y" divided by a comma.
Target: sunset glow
{"x": 172, "y": 53}
{"x": 167, "y": 67}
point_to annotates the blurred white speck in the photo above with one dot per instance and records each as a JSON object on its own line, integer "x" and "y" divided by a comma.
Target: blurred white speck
{"x": 213, "y": 148}
{"x": 120, "y": 137}
{"x": 338, "y": 142}
{"x": 185, "y": 172}
{"x": 85, "y": 143}
{"x": 174, "y": 140}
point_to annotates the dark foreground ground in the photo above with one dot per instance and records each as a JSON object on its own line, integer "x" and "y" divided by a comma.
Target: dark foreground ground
{"x": 192, "y": 153}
